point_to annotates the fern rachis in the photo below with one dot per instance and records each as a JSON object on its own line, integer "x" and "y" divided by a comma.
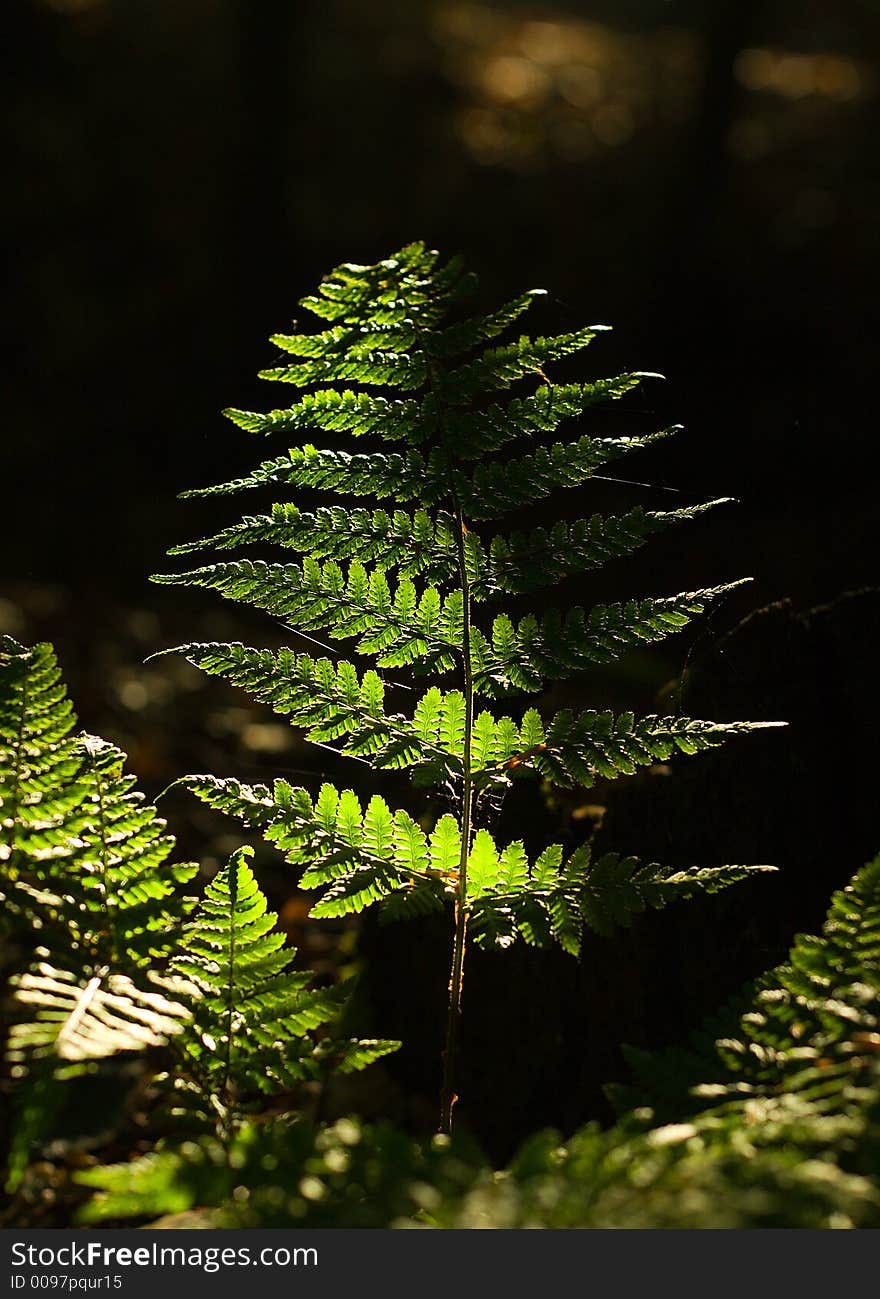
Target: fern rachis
{"x": 413, "y": 587}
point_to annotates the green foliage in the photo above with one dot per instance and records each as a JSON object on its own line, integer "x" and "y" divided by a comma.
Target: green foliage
{"x": 39, "y": 764}
{"x": 420, "y": 587}
{"x": 84, "y": 860}
{"x": 283, "y": 1173}
{"x": 252, "y": 1015}
{"x": 85, "y": 878}
{"x": 361, "y": 856}
{"x": 407, "y": 586}
{"x": 336, "y": 705}
{"x": 775, "y": 1124}
{"x": 86, "y": 872}
{"x": 811, "y": 1027}
{"x": 77, "y": 1021}
{"x": 792, "y": 1140}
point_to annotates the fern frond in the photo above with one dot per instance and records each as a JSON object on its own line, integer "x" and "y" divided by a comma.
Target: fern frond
{"x": 552, "y": 900}
{"x": 337, "y": 708}
{"x": 395, "y": 362}
{"x": 364, "y": 856}
{"x": 77, "y": 1019}
{"x": 359, "y": 413}
{"x": 478, "y": 430}
{"x": 815, "y": 1021}
{"x": 414, "y": 543}
{"x": 400, "y": 627}
{"x": 40, "y": 762}
{"x": 253, "y": 1017}
{"x": 387, "y": 293}
{"x": 358, "y": 856}
{"x": 112, "y": 893}
{"x": 578, "y": 749}
{"x": 332, "y": 703}
{"x": 501, "y": 367}
{"x": 84, "y": 857}
{"x": 465, "y": 335}
{"x": 523, "y": 656}
{"x": 382, "y": 369}
{"x": 419, "y": 544}
{"x": 497, "y": 487}
{"x": 525, "y": 561}
{"x": 406, "y": 477}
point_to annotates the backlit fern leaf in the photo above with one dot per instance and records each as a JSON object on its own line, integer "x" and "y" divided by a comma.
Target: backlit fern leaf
{"x": 253, "y": 1017}
{"x": 809, "y": 1027}
{"x": 525, "y": 655}
{"x": 452, "y": 428}
{"x": 815, "y": 1020}
{"x": 75, "y": 1019}
{"x": 40, "y": 761}
{"x": 113, "y": 892}
{"x": 525, "y": 561}
{"x": 554, "y": 900}
{"x": 85, "y": 858}
{"x": 375, "y": 855}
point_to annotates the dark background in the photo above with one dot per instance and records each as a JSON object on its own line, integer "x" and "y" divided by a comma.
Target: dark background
{"x": 705, "y": 176}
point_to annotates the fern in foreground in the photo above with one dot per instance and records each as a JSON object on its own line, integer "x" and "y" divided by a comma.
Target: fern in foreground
{"x": 775, "y": 1124}
{"x": 87, "y": 888}
{"x": 85, "y": 876}
{"x": 252, "y": 1016}
{"x": 122, "y": 964}
{"x": 420, "y": 587}
{"x": 84, "y": 860}
{"x": 786, "y": 1134}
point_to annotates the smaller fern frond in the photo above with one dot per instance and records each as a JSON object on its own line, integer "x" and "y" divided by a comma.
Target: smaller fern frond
{"x": 578, "y": 749}
{"x": 815, "y": 1020}
{"x": 359, "y": 413}
{"x": 792, "y": 1060}
{"x": 84, "y": 857}
{"x": 40, "y": 763}
{"x": 413, "y": 543}
{"x": 335, "y": 706}
{"x": 253, "y": 1017}
{"x": 465, "y": 335}
{"x": 118, "y": 903}
{"x": 357, "y": 856}
{"x": 500, "y": 486}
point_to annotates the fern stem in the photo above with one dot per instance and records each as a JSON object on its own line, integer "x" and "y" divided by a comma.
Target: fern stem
{"x": 456, "y": 978}
{"x": 16, "y": 775}
{"x": 103, "y": 836}
{"x": 448, "y": 1094}
{"x": 226, "y": 1133}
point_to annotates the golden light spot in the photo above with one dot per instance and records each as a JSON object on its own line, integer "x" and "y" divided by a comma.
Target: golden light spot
{"x": 133, "y": 694}
{"x": 511, "y": 78}
{"x": 267, "y": 737}
{"x": 797, "y": 76}
{"x": 547, "y": 42}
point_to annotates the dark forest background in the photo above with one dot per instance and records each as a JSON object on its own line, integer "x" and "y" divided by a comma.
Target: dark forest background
{"x": 705, "y": 177}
